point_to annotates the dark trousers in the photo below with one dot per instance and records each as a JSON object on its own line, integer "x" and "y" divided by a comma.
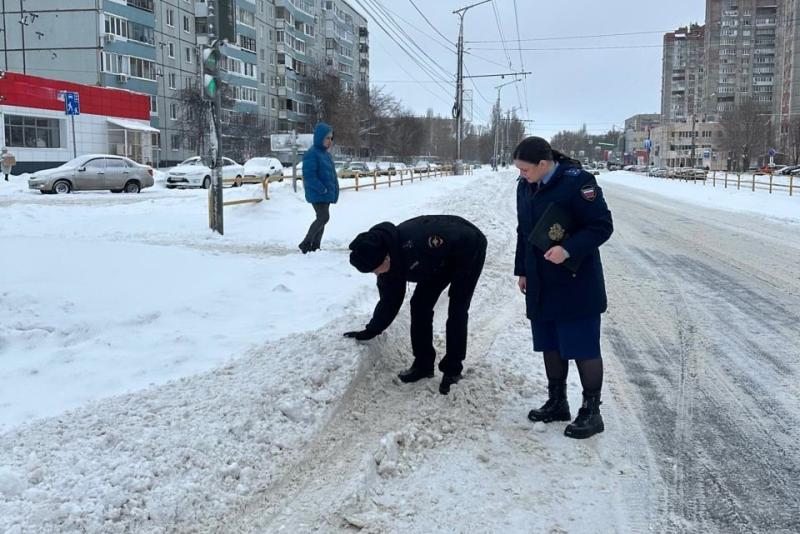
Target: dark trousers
{"x": 313, "y": 238}
{"x": 462, "y": 286}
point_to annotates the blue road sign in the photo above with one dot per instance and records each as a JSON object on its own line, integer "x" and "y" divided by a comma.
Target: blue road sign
{"x": 772, "y": 152}
{"x": 72, "y": 104}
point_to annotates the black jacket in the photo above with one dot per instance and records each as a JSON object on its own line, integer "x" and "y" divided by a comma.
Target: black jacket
{"x": 429, "y": 247}
{"x": 554, "y": 292}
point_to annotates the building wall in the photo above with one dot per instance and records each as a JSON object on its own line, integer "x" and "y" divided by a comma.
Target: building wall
{"x": 135, "y": 55}
{"x": 672, "y": 145}
{"x": 787, "y": 76}
{"x": 39, "y": 98}
{"x": 741, "y": 52}
{"x": 42, "y": 40}
{"x": 683, "y": 76}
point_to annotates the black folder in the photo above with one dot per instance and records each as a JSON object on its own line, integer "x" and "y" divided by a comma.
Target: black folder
{"x": 553, "y": 227}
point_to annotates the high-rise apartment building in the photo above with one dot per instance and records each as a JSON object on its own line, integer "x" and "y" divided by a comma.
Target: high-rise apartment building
{"x": 683, "y": 76}
{"x": 742, "y": 40}
{"x": 153, "y": 47}
{"x": 787, "y": 72}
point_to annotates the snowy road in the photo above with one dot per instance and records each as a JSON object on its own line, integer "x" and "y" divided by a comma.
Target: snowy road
{"x": 705, "y": 331}
{"x": 313, "y": 433}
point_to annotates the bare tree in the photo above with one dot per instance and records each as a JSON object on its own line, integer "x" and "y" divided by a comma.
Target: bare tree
{"x": 195, "y": 117}
{"x": 746, "y": 131}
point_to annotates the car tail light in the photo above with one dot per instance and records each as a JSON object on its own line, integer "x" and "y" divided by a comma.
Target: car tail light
{"x": 150, "y": 171}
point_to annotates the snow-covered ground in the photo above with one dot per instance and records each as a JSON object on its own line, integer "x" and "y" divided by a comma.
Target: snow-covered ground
{"x": 157, "y": 377}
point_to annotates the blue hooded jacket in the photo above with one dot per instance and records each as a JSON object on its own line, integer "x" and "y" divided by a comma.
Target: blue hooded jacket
{"x": 319, "y": 173}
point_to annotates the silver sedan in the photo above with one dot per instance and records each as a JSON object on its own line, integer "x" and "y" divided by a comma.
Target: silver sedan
{"x": 94, "y": 172}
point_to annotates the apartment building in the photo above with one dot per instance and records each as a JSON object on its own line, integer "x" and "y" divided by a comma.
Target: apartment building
{"x": 683, "y": 77}
{"x": 787, "y": 75}
{"x": 153, "y": 47}
{"x": 741, "y": 52}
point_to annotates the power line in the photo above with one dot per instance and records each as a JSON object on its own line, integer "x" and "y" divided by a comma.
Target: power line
{"x": 386, "y": 17}
{"x": 521, "y": 61}
{"x": 505, "y": 48}
{"x": 421, "y": 14}
{"x": 425, "y": 68}
{"x": 583, "y": 36}
{"x": 622, "y": 47}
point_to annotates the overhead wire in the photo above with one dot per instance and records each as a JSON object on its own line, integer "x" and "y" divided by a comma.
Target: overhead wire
{"x": 521, "y": 61}
{"x": 505, "y": 48}
{"x": 401, "y": 32}
{"x": 428, "y": 70}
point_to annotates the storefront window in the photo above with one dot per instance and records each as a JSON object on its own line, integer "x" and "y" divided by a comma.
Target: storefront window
{"x": 32, "y": 132}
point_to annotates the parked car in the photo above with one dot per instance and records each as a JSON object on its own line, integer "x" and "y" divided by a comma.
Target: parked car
{"x": 194, "y": 172}
{"x": 770, "y": 169}
{"x": 354, "y": 167}
{"x": 287, "y": 170}
{"x": 422, "y": 165}
{"x": 257, "y": 169}
{"x": 94, "y": 172}
{"x": 789, "y": 169}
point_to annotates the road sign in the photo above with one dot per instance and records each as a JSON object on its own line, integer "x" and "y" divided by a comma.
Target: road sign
{"x": 72, "y": 104}
{"x": 772, "y": 152}
{"x": 706, "y": 153}
{"x": 284, "y": 142}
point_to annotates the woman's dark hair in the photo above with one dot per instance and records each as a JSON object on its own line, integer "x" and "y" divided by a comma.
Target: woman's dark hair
{"x": 535, "y": 149}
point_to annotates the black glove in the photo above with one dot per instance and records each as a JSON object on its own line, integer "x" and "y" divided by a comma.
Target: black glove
{"x": 361, "y": 335}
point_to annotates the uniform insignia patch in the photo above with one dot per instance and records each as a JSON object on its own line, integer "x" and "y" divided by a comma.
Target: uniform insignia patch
{"x": 573, "y": 171}
{"x": 588, "y": 192}
{"x": 435, "y": 241}
{"x": 556, "y": 232}
{"x": 408, "y": 244}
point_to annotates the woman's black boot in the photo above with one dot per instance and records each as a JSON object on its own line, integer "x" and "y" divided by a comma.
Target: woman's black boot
{"x": 556, "y": 408}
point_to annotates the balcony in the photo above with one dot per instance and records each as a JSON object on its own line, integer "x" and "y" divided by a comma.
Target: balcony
{"x": 201, "y": 9}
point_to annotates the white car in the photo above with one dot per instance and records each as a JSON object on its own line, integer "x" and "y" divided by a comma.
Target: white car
{"x": 195, "y": 173}
{"x": 256, "y": 169}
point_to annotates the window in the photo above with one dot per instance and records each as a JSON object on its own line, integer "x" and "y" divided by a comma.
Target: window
{"x": 144, "y": 5}
{"x": 173, "y": 111}
{"x": 175, "y": 141}
{"x": 171, "y": 50}
{"x": 32, "y": 132}
{"x": 142, "y": 68}
{"x": 153, "y": 105}
{"x": 248, "y": 43}
{"x": 186, "y": 24}
{"x": 116, "y": 26}
{"x": 172, "y": 80}
{"x": 188, "y": 55}
{"x": 170, "y": 18}
{"x": 245, "y": 17}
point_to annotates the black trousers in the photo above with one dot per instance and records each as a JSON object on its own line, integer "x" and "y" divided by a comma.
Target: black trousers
{"x": 462, "y": 286}
{"x": 313, "y": 238}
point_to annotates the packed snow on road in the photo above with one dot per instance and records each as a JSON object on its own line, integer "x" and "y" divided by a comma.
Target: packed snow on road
{"x": 158, "y": 377}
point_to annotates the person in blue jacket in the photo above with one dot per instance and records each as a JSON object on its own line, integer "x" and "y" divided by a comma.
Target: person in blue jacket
{"x": 320, "y": 184}
{"x": 564, "y": 305}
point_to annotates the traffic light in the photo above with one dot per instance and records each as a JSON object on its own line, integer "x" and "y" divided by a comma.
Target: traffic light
{"x": 212, "y": 71}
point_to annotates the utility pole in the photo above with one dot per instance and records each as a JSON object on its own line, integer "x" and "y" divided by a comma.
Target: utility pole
{"x": 212, "y": 86}
{"x": 458, "y": 108}
{"x": 497, "y": 118}
{"x": 693, "y": 158}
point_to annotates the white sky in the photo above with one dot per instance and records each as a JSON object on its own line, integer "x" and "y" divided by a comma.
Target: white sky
{"x": 597, "y": 86}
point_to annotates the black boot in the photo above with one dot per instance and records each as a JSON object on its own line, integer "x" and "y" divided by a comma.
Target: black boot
{"x": 414, "y": 374}
{"x": 447, "y": 381}
{"x": 556, "y": 408}
{"x": 304, "y": 247}
{"x": 589, "y": 421}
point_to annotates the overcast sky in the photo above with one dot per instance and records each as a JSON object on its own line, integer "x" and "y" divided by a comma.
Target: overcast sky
{"x": 596, "y": 84}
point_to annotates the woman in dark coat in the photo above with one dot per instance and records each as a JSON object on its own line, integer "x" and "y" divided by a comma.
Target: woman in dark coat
{"x": 320, "y": 185}
{"x": 563, "y": 279}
